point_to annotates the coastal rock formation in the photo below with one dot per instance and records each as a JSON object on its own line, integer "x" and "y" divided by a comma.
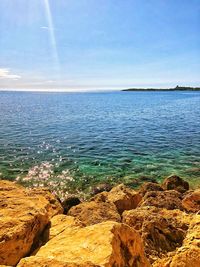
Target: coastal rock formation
{"x": 148, "y": 187}
{"x": 161, "y": 230}
{"x": 23, "y": 216}
{"x": 188, "y": 254}
{"x": 169, "y": 199}
{"x": 53, "y": 206}
{"x": 99, "y": 209}
{"x": 122, "y": 227}
{"x": 124, "y": 198}
{"x": 174, "y": 182}
{"x": 136, "y": 217}
{"x": 191, "y": 201}
{"x": 41, "y": 262}
{"x": 59, "y": 223}
{"x": 106, "y": 244}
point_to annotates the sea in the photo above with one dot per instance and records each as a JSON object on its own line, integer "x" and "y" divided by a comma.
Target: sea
{"x": 89, "y": 138}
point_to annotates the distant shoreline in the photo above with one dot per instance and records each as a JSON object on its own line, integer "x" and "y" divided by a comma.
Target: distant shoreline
{"x": 177, "y": 88}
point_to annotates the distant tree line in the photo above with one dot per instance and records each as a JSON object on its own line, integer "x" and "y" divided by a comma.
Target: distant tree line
{"x": 177, "y": 88}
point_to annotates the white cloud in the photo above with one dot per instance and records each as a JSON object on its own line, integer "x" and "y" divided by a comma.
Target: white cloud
{"x": 5, "y": 74}
{"x": 44, "y": 27}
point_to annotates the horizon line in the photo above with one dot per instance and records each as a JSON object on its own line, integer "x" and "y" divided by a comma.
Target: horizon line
{"x": 75, "y": 90}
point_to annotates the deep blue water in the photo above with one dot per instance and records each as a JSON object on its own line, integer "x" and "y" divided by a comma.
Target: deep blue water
{"x": 101, "y": 136}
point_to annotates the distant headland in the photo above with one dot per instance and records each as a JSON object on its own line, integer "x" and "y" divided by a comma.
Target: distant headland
{"x": 177, "y": 88}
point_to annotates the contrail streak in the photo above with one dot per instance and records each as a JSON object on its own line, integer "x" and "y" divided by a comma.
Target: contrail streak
{"x": 52, "y": 34}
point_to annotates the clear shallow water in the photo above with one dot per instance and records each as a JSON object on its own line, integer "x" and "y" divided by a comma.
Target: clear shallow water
{"x": 101, "y": 136}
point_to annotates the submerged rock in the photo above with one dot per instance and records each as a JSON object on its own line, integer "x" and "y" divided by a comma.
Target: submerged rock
{"x": 174, "y": 182}
{"x": 24, "y": 214}
{"x": 147, "y": 179}
{"x": 101, "y": 188}
{"x": 170, "y": 199}
{"x": 191, "y": 202}
{"x": 106, "y": 244}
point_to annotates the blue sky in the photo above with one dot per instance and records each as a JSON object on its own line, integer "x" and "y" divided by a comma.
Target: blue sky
{"x": 99, "y": 44}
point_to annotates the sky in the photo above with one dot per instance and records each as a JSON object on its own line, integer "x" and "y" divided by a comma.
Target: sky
{"x": 71, "y": 45}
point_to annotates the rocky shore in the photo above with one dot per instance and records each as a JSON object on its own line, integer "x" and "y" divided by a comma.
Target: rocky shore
{"x": 158, "y": 225}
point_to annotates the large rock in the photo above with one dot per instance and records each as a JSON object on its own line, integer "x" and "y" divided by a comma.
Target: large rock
{"x": 170, "y": 199}
{"x": 188, "y": 254}
{"x": 41, "y": 262}
{"x": 161, "y": 230}
{"x": 136, "y": 217}
{"x": 174, "y": 182}
{"x": 191, "y": 201}
{"x": 124, "y": 198}
{"x": 23, "y": 216}
{"x": 106, "y": 244}
{"x": 148, "y": 187}
{"x": 53, "y": 206}
{"x": 95, "y": 211}
{"x": 58, "y": 224}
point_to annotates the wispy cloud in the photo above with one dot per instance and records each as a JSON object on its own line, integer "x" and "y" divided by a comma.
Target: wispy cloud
{"x": 46, "y": 28}
{"x": 6, "y": 74}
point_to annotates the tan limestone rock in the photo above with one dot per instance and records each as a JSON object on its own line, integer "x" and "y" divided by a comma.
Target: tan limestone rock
{"x": 95, "y": 211}
{"x": 189, "y": 254}
{"x": 23, "y": 216}
{"x": 174, "y": 182}
{"x": 59, "y": 223}
{"x": 191, "y": 201}
{"x": 170, "y": 199}
{"x": 45, "y": 262}
{"x": 165, "y": 262}
{"x": 124, "y": 198}
{"x": 149, "y": 186}
{"x": 106, "y": 244}
{"x": 53, "y": 206}
{"x": 162, "y": 230}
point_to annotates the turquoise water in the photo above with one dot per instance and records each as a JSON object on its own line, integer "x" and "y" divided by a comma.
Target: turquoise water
{"x": 93, "y": 137}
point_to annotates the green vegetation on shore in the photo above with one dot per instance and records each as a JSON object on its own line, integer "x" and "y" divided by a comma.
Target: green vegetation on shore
{"x": 177, "y": 88}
